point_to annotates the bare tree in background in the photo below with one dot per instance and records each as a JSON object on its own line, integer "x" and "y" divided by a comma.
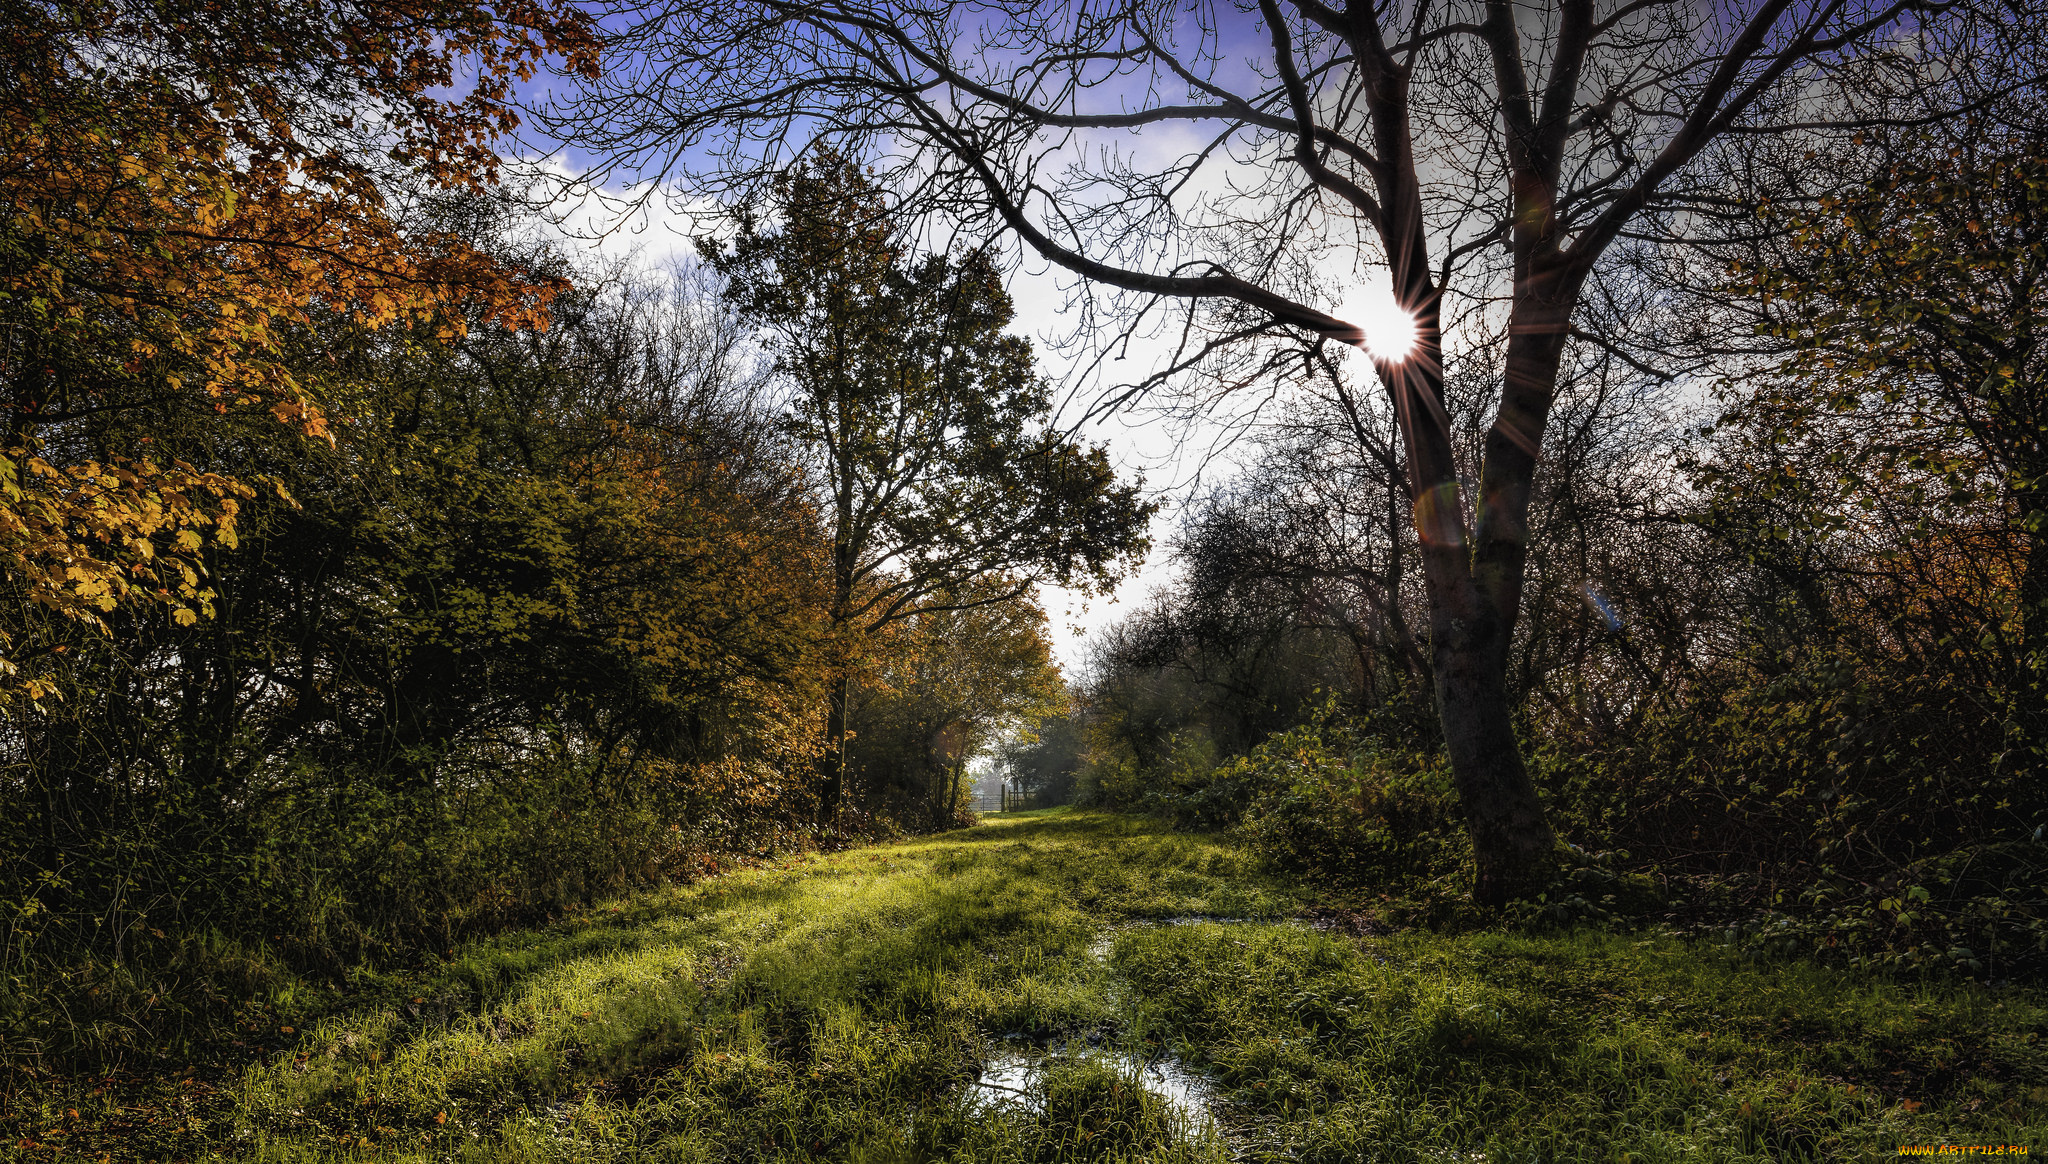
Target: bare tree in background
{"x": 1231, "y": 158}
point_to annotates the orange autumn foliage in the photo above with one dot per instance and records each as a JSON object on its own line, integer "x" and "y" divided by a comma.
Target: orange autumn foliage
{"x": 187, "y": 190}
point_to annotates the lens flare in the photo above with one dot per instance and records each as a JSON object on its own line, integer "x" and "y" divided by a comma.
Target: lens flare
{"x": 1390, "y": 331}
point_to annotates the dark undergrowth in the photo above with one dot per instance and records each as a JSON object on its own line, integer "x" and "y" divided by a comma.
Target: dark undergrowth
{"x": 1379, "y": 828}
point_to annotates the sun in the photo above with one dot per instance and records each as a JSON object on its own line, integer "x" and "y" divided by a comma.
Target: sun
{"x": 1390, "y": 331}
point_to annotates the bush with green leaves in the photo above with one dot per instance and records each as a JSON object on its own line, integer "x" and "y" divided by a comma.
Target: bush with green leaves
{"x": 1326, "y": 800}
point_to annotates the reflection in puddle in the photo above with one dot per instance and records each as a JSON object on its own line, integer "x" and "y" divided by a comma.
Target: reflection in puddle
{"x": 1005, "y": 1081}
{"x": 1015, "y": 1079}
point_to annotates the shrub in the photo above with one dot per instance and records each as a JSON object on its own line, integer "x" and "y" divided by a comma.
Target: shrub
{"x": 1326, "y": 802}
{"x": 1115, "y": 780}
{"x": 1851, "y": 811}
{"x": 166, "y": 922}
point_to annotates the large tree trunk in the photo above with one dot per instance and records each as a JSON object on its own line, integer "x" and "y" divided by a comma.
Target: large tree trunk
{"x": 1469, "y": 640}
{"x": 953, "y": 786}
{"x": 1472, "y": 573}
{"x": 1506, "y": 818}
{"x": 1511, "y": 840}
{"x": 1475, "y": 584}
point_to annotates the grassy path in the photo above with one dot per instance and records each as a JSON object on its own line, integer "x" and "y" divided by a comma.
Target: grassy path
{"x": 844, "y": 1007}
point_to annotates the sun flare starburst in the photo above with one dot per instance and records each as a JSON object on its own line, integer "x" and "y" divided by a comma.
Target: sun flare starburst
{"x": 1390, "y": 331}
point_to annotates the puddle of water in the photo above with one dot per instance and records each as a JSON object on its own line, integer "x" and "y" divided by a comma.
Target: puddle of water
{"x": 1013, "y": 1079}
{"x": 1186, "y": 1092}
{"x": 1013, "y": 1076}
{"x": 1005, "y": 1081}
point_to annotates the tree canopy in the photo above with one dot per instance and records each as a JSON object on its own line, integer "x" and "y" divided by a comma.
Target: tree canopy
{"x": 188, "y": 191}
{"x": 929, "y": 427}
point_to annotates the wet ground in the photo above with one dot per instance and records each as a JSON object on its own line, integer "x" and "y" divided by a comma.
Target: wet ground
{"x": 1013, "y": 1074}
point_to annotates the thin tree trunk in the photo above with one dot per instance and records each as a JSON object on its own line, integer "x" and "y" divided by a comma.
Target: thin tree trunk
{"x": 832, "y": 765}
{"x": 2030, "y": 674}
{"x": 953, "y": 789}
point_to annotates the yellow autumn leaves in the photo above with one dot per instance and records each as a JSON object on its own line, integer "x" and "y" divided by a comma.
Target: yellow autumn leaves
{"x": 173, "y": 224}
{"x": 82, "y": 538}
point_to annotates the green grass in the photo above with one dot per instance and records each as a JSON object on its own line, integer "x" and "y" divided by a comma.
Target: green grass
{"x": 838, "y": 1008}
